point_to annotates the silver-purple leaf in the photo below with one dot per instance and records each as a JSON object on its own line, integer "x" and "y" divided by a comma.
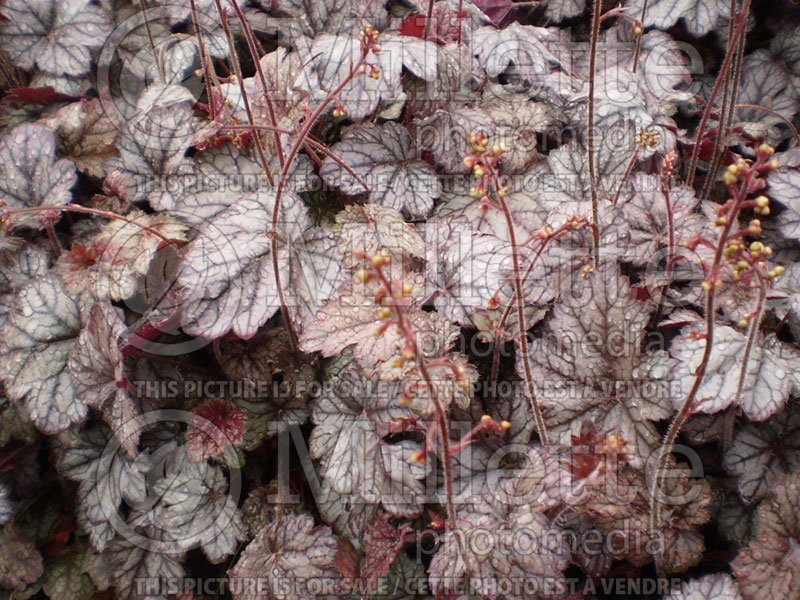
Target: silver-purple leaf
{"x": 227, "y": 279}
{"x": 55, "y": 36}
{"x": 719, "y": 586}
{"x": 332, "y": 57}
{"x": 589, "y": 363}
{"x": 134, "y": 566}
{"x": 95, "y": 363}
{"x": 384, "y": 158}
{"x": 767, "y": 567}
{"x": 6, "y": 504}
{"x": 292, "y": 558}
{"x": 107, "y": 478}
{"x": 529, "y": 51}
{"x": 766, "y": 83}
{"x": 645, "y": 210}
{"x": 762, "y": 453}
{"x": 316, "y": 274}
{"x": 699, "y": 17}
{"x": 196, "y": 507}
{"x": 85, "y": 134}
{"x": 351, "y": 419}
{"x": 784, "y": 186}
{"x": 151, "y": 164}
{"x": 372, "y": 227}
{"x": 16, "y": 271}
{"x": 491, "y": 560}
{"x": 29, "y": 174}
{"x": 444, "y": 134}
{"x": 761, "y": 387}
{"x": 34, "y": 348}
{"x": 560, "y": 10}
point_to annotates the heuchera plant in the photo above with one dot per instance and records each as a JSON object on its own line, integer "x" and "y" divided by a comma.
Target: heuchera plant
{"x": 384, "y": 299}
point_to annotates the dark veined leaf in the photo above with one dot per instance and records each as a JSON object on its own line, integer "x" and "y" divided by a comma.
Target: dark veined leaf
{"x": 371, "y": 227}
{"x": 313, "y": 17}
{"x": 20, "y": 562}
{"x": 56, "y": 36}
{"x": 226, "y": 279}
{"x": 621, "y": 508}
{"x": 151, "y": 164}
{"x": 316, "y": 275}
{"x": 589, "y": 363}
{"x": 30, "y": 175}
{"x": 347, "y": 520}
{"x": 645, "y": 210}
{"x": 570, "y": 172}
{"x": 765, "y": 83}
{"x": 281, "y": 68}
{"x": 223, "y": 175}
{"x": 405, "y": 581}
{"x": 529, "y": 51}
{"x": 458, "y": 75}
{"x": 16, "y": 271}
{"x": 196, "y": 508}
{"x": 487, "y": 556}
{"x": 95, "y": 363}
{"x": 760, "y": 387}
{"x": 385, "y": 159}
{"x": 711, "y": 587}
{"x": 768, "y": 566}
{"x": 517, "y": 120}
{"x": 464, "y": 214}
{"x": 67, "y": 578}
{"x": 355, "y": 320}
{"x": 762, "y": 453}
{"x": 351, "y": 419}
{"x": 106, "y": 480}
{"x": 444, "y": 134}
{"x": 332, "y": 57}
{"x": 85, "y": 134}
{"x": 468, "y": 269}
{"x": 134, "y": 566}
{"x": 35, "y": 345}
{"x": 596, "y": 559}
{"x": 699, "y": 17}
{"x": 113, "y": 261}
{"x": 294, "y": 560}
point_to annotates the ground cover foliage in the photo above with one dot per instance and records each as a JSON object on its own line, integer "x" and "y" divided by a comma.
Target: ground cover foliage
{"x": 394, "y": 299}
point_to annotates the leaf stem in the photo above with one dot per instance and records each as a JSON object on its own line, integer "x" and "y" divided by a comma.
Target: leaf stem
{"x": 91, "y": 211}
{"x": 301, "y": 137}
{"x": 590, "y": 130}
{"x": 685, "y": 410}
{"x": 710, "y": 104}
{"x": 251, "y": 43}
{"x": 541, "y": 427}
{"x": 237, "y": 69}
{"x": 441, "y": 416}
{"x": 638, "y": 49}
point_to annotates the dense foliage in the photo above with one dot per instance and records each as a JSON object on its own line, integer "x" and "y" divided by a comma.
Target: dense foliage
{"x": 391, "y": 299}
